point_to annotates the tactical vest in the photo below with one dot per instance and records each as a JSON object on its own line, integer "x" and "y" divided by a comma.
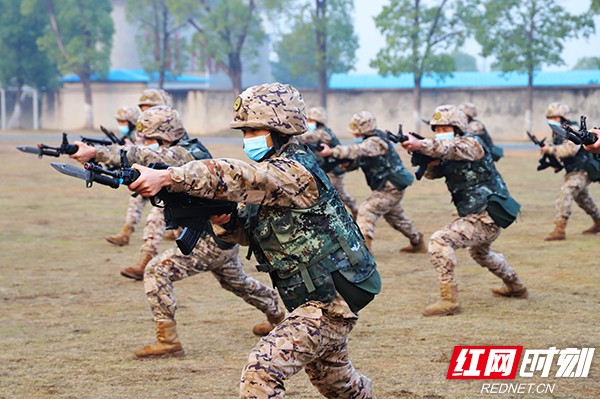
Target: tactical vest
{"x": 381, "y": 169}
{"x": 301, "y": 248}
{"x": 195, "y": 148}
{"x": 582, "y": 161}
{"x": 471, "y": 182}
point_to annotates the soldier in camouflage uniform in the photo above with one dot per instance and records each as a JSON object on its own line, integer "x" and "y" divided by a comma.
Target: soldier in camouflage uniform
{"x": 481, "y": 199}
{"x": 148, "y": 99}
{"x": 476, "y": 128}
{"x": 299, "y": 231}
{"x": 318, "y": 133}
{"x": 162, "y": 132}
{"x": 386, "y": 176}
{"x": 575, "y": 160}
{"x": 127, "y": 120}
{"x": 223, "y": 261}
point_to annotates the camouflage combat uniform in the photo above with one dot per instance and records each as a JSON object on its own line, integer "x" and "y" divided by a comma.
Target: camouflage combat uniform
{"x": 159, "y": 122}
{"x": 136, "y": 204}
{"x": 386, "y": 176}
{"x": 576, "y": 160}
{"x": 322, "y": 134}
{"x": 225, "y": 265}
{"x": 473, "y": 182}
{"x": 477, "y": 128}
{"x": 286, "y": 197}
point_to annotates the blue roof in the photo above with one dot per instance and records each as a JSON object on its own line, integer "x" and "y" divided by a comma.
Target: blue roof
{"x": 465, "y": 79}
{"x": 135, "y": 76}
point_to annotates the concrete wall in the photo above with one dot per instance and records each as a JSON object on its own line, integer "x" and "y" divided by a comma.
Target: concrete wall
{"x": 209, "y": 111}
{"x": 64, "y": 110}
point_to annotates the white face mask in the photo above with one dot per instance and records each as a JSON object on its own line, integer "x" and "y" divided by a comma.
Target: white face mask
{"x": 153, "y": 146}
{"x": 312, "y": 125}
{"x": 444, "y": 136}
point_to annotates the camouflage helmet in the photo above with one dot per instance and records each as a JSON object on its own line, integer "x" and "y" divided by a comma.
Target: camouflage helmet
{"x": 129, "y": 114}
{"x": 362, "y": 123}
{"x": 154, "y": 97}
{"x": 161, "y": 123}
{"x": 469, "y": 109}
{"x": 317, "y": 114}
{"x": 558, "y": 109}
{"x": 449, "y": 115}
{"x": 273, "y": 106}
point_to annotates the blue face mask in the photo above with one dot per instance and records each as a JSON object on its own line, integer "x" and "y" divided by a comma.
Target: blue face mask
{"x": 444, "y": 136}
{"x": 153, "y": 146}
{"x": 124, "y": 129}
{"x": 256, "y": 148}
{"x": 312, "y": 126}
{"x": 358, "y": 139}
{"x": 555, "y": 123}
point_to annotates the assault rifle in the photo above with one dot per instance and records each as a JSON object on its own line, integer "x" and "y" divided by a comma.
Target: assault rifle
{"x": 546, "y": 160}
{"x": 112, "y": 137}
{"x": 180, "y": 209}
{"x": 43, "y": 149}
{"x": 64, "y": 148}
{"x": 583, "y": 136}
{"x": 417, "y": 159}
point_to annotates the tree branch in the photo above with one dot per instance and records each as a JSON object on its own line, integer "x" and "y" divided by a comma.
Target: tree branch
{"x": 55, "y": 28}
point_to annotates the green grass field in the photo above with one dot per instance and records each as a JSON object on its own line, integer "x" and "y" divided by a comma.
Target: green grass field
{"x": 69, "y": 323}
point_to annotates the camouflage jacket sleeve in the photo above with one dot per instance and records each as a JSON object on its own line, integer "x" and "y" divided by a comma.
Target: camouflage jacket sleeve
{"x": 314, "y": 137}
{"x": 173, "y": 156}
{"x": 459, "y": 149}
{"x": 276, "y": 182}
{"x": 565, "y": 150}
{"x": 368, "y": 148}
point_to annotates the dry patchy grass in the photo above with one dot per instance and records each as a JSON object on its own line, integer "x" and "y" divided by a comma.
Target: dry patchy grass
{"x": 69, "y": 323}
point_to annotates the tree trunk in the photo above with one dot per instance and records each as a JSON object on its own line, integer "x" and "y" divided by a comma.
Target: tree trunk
{"x": 15, "y": 118}
{"x": 235, "y": 73}
{"x": 417, "y": 104}
{"x": 164, "y": 46}
{"x": 529, "y": 101}
{"x": 321, "y": 37}
{"x": 87, "y": 94}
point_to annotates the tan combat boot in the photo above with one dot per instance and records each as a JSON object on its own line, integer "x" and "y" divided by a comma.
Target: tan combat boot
{"x": 594, "y": 229}
{"x": 448, "y": 303}
{"x": 559, "y": 232}
{"x": 262, "y": 329}
{"x": 121, "y": 238}
{"x": 136, "y": 272}
{"x": 513, "y": 288}
{"x": 419, "y": 248}
{"x": 167, "y": 342}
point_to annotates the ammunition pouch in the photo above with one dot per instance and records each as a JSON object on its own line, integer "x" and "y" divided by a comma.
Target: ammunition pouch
{"x": 592, "y": 168}
{"x": 503, "y": 209}
{"x": 313, "y": 283}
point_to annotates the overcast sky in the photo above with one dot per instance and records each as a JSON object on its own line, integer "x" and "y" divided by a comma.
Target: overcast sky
{"x": 371, "y": 40}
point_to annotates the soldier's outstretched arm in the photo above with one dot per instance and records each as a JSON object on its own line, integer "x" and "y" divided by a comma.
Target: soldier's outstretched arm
{"x": 459, "y": 149}
{"x": 564, "y": 150}
{"x": 276, "y": 182}
{"x": 372, "y": 147}
{"x": 85, "y": 152}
